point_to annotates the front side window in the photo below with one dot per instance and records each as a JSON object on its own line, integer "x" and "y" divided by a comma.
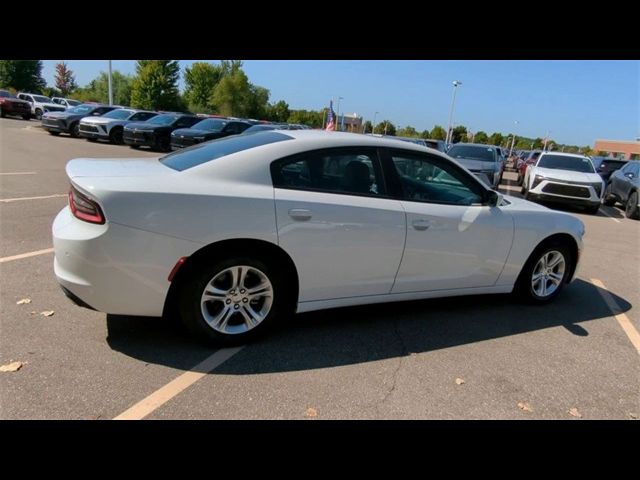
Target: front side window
{"x": 354, "y": 171}
{"x": 429, "y": 179}
{"x": 142, "y": 116}
{"x": 472, "y": 152}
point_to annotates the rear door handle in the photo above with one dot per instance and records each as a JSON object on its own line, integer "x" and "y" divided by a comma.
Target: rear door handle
{"x": 421, "y": 224}
{"x": 300, "y": 214}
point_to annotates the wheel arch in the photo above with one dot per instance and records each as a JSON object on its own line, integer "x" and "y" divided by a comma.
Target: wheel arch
{"x": 564, "y": 238}
{"x": 261, "y": 249}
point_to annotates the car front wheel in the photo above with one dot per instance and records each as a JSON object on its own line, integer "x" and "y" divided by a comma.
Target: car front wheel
{"x": 545, "y": 273}
{"x": 608, "y": 199}
{"x": 231, "y": 301}
{"x": 74, "y": 131}
{"x": 631, "y": 209}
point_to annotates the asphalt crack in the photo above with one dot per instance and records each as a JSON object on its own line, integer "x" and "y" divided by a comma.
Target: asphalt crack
{"x": 403, "y": 353}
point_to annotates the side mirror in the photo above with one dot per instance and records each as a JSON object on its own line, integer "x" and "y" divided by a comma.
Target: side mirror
{"x": 629, "y": 175}
{"x": 494, "y": 198}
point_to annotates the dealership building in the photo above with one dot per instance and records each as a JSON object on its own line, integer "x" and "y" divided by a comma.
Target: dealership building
{"x": 629, "y": 150}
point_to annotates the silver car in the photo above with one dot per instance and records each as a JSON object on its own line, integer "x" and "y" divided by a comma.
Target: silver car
{"x": 111, "y": 125}
{"x": 482, "y": 160}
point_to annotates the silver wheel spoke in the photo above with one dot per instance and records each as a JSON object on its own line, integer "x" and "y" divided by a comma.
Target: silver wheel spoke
{"x": 548, "y": 273}
{"x": 261, "y": 290}
{"x": 555, "y": 278}
{"x": 223, "y": 318}
{"x": 536, "y": 277}
{"x": 554, "y": 262}
{"x": 251, "y": 318}
{"x": 215, "y": 293}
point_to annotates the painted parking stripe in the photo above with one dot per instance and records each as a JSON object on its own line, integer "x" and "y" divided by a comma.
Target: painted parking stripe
{"x": 20, "y": 199}
{"x": 609, "y": 215}
{"x": 622, "y": 319}
{"x": 26, "y": 255}
{"x": 174, "y": 387}
{"x": 18, "y": 173}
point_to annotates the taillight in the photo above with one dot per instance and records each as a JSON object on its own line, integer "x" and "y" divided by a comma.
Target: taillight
{"x": 84, "y": 208}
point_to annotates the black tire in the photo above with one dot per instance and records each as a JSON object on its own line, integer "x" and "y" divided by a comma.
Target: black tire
{"x": 55, "y": 134}
{"x": 92, "y": 140}
{"x": 608, "y": 198}
{"x": 116, "y": 136}
{"x": 524, "y": 288}
{"x": 135, "y": 147}
{"x": 26, "y": 117}
{"x": 593, "y": 210}
{"x": 192, "y": 288}
{"x": 38, "y": 114}
{"x": 631, "y": 209}
{"x": 3, "y": 114}
{"x": 74, "y": 130}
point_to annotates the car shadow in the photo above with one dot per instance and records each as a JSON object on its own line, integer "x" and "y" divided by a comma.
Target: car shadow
{"x": 346, "y": 336}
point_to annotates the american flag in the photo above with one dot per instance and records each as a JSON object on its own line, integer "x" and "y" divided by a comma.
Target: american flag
{"x": 331, "y": 123}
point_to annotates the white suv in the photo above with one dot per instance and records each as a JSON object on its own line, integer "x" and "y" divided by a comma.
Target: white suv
{"x": 564, "y": 178}
{"x": 40, "y": 104}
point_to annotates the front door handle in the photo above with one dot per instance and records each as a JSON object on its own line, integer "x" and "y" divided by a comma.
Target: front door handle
{"x": 421, "y": 224}
{"x": 300, "y": 214}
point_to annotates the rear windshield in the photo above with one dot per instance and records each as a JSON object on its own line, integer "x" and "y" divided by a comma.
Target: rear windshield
{"x": 486, "y": 154}
{"x": 564, "y": 162}
{"x": 205, "y": 152}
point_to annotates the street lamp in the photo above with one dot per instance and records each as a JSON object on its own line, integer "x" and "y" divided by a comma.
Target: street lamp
{"x": 110, "y": 89}
{"x": 546, "y": 139}
{"x": 513, "y": 141}
{"x": 456, "y": 83}
{"x": 337, "y": 119}
{"x": 373, "y": 129}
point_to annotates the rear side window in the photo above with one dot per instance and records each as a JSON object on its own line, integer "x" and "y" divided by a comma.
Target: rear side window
{"x": 205, "y": 152}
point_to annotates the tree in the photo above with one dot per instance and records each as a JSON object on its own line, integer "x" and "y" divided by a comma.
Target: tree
{"x": 408, "y": 131}
{"x": 458, "y": 134}
{"x": 480, "y": 137}
{"x": 257, "y": 102}
{"x": 386, "y": 127}
{"x": 312, "y": 118}
{"x": 496, "y": 138}
{"x": 155, "y": 86}
{"x": 438, "y": 133}
{"x": 231, "y": 96}
{"x": 65, "y": 79}
{"x": 538, "y": 143}
{"x": 200, "y": 79}
{"x": 98, "y": 89}
{"x": 22, "y": 75}
{"x": 279, "y": 112}
{"x": 367, "y": 127}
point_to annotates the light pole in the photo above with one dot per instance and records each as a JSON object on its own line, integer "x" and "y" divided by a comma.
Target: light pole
{"x": 513, "y": 141}
{"x": 373, "y": 127}
{"x": 456, "y": 83}
{"x": 110, "y": 89}
{"x": 338, "y": 119}
{"x": 546, "y": 139}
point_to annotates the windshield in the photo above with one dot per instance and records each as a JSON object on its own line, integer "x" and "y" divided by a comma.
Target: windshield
{"x": 564, "y": 162}
{"x": 208, "y": 151}
{"x": 471, "y": 152}
{"x": 81, "y": 109}
{"x": 162, "y": 120}
{"x": 210, "y": 124}
{"x": 118, "y": 114}
{"x": 74, "y": 102}
{"x": 41, "y": 99}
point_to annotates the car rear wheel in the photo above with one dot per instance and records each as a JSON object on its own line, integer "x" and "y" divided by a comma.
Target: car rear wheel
{"x": 608, "y": 199}
{"x": 38, "y": 114}
{"x": 74, "y": 131}
{"x": 116, "y": 136}
{"x": 545, "y": 273}
{"x": 631, "y": 209}
{"x": 231, "y": 301}
{"x": 55, "y": 134}
{"x": 26, "y": 117}
{"x": 2, "y": 112}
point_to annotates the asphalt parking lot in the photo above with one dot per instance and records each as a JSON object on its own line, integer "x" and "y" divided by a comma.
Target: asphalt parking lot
{"x": 483, "y": 357}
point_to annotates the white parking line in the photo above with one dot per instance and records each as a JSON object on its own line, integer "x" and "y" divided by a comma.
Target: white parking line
{"x": 19, "y": 173}
{"x": 20, "y": 199}
{"x": 622, "y": 319}
{"x": 26, "y": 255}
{"x": 174, "y": 387}
{"x": 609, "y": 215}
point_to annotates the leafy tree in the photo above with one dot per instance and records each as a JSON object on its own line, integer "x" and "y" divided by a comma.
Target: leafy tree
{"x": 367, "y": 127}
{"x": 200, "y": 79}
{"x": 481, "y": 137}
{"x": 496, "y": 138}
{"x": 22, "y": 75}
{"x": 408, "y": 131}
{"x": 538, "y": 143}
{"x": 438, "y": 133}
{"x": 155, "y": 86}
{"x": 279, "y": 112}
{"x": 312, "y": 118}
{"x": 231, "y": 96}
{"x": 98, "y": 89}
{"x": 386, "y": 127}
{"x": 257, "y": 102}
{"x": 65, "y": 79}
{"x": 459, "y": 133}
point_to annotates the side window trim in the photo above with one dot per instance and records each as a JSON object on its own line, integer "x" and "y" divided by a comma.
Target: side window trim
{"x": 393, "y": 178}
{"x": 372, "y": 152}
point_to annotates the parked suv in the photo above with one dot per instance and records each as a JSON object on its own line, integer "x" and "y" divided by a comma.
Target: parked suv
{"x": 69, "y": 120}
{"x": 207, "y": 129}
{"x": 482, "y": 160}
{"x": 624, "y": 187}
{"x": 606, "y": 166}
{"x": 564, "y": 178}
{"x": 66, "y": 102}
{"x": 110, "y": 126}
{"x": 40, "y": 104}
{"x": 12, "y": 105}
{"x": 156, "y": 132}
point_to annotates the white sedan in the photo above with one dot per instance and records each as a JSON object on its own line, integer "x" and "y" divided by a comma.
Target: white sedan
{"x": 233, "y": 233}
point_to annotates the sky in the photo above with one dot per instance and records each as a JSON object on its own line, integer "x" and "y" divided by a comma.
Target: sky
{"x": 577, "y": 102}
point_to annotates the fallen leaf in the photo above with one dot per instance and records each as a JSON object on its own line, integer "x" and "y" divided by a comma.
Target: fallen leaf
{"x": 311, "y": 412}
{"x": 11, "y": 367}
{"x": 634, "y": 416}
{"x": 574, "y": 412}
{"x": 459, "y": 381}
{"x": 47, "y": 313}
{"x": 23, "y": 301}
{"x": 33, "y": 313}
{"x": 525, "y": 406}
